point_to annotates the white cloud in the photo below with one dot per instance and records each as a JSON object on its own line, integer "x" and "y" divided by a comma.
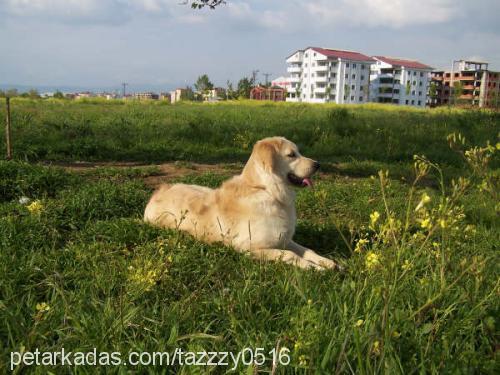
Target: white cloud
{"x": 392, "y": 14}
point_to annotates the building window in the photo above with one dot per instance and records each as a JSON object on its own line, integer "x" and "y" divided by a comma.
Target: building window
{"x": 334, "y": 75}
{"x": 305, "y": 55}
{"x": 419, "y": 102}
{"x": 413, "y": 92}
{"x": 345, "y": 97}
{"x": 334, "y": 86}
{"x": 413, "y": 102}
{"x": 362, "y": 78}
{"x": 312, "y": 75}
{"x": 352, "y": 98}
{"x": 305, "y": 65}
{"x": 333, "y": 96}
{"x": 414, "y": 83}
{"x": 360, "y": 98}
{"x": 346, "y": 76}
{"x": 313, "y": 64}
{"x": 354, "y": 76}
{"x": 406, "y": 101}
{"x": 414, "y": 73}
{"x": 362, "y": 66}
{"x": 347, "y": 65}
{"x": 421, "y": 74}
{"x": 353, "y": 87}
{"x": 353, "y": 65}
{"x": 420, "y": 83}
{"x": 314, "y": 54}
{"x": 420, "y": 93}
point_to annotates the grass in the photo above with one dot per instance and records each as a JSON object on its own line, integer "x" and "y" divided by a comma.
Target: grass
{"x": 416, "y": 296}
{"x": 154, "y": 132}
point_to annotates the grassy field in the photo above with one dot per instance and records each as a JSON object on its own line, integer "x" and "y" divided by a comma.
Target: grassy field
{"x": 420, "y": 293}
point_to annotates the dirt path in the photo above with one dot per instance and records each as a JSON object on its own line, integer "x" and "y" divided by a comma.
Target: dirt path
{"x": 164, "y": 172}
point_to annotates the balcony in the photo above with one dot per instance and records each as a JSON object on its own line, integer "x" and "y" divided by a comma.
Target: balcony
{"x": 320, "y": 90}
{"x": 295, "y": 78}
{"x": 321, "y": 78}
{"x": 320, "y": 68}
{"x": 294, "y": 69}
{"x": 466, "y": 78}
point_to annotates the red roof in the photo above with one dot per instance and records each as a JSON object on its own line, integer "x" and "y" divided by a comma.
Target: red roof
{"x": 348, "y": 55}
{"x": 402, "y": 62}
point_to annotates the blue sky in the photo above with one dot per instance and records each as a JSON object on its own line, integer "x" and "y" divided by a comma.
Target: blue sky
{"x": 163, "y": 43}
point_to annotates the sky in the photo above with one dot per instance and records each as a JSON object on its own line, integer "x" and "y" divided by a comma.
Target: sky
{"x": 165, "y": 44}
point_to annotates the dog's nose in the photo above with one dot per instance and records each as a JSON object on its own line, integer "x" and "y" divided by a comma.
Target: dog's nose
{"x": 316, "y": 165}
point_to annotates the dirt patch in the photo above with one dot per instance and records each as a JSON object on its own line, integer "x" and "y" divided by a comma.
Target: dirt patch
{"x": 165, "y": 172}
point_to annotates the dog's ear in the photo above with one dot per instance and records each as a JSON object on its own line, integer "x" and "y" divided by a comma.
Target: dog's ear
{"x": 266, "y": 154}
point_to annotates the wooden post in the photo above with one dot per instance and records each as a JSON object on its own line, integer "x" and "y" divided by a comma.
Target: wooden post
{"x": 7, "y": 130}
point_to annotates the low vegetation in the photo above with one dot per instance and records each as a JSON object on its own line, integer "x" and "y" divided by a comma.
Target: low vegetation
{"x": 419, "y": 294}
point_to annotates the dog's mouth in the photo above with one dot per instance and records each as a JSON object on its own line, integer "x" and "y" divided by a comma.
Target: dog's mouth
{"x": 299, "y": 181}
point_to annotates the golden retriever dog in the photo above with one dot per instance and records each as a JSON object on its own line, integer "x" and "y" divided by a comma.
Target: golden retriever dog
{"x": 253, "y": 212}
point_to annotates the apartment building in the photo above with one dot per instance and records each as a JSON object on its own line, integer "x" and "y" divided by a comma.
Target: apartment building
{"x": 146, "y": 96}
{"x": 468, "y": 83}
{"x": 321, "y": 75}
{"x": 399, "y": 81}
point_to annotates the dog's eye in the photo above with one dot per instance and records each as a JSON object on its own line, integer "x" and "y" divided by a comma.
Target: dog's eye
{"x": 292, "y": 154}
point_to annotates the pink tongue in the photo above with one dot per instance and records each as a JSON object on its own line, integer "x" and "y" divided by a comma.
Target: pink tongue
{"x": 307, "y": 182}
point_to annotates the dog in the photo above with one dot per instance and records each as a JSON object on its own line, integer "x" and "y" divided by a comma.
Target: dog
{"x": 253, "y": 212}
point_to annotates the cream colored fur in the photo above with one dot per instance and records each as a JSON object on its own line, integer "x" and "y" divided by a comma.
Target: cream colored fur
{"x": 253, "y": 212}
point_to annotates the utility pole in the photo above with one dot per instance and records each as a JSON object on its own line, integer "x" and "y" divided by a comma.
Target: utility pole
{"x": 254, "y": 76}
{"x": 266, "y": 75}
{"x": 124, "y": 84}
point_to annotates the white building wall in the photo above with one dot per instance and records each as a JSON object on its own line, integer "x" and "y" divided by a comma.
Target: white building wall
{"x": 418, "y": 80}
{"x": 316, "y": 72}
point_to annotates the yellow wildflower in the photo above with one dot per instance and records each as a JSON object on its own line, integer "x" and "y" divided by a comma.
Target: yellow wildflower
{"x": 376, "y": 347}
{"x": 374, "y": 216}
{"x": 406, "y": 265}
{"x": 372, "y": 260}
{"x": 423, "y": 201}
{"x": 360, "y": 245}
{"x": 425, "y": 223}
{"x": 42, "y": 307}
{"x": 309, "y": 301}
{"x": 35, "y": 207}
{"x": 302, "y": 360}
{"x": 359, "y": 323}
{"x": 442, "y": 223}
{"x": 396, "y": 334}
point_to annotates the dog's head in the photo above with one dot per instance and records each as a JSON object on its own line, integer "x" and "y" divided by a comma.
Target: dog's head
{"x": 281, "y": 161}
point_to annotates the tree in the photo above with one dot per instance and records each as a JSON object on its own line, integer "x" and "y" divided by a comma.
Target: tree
{"x": 230, "y": 93}
{"x": 199, "y": 4}
{"x": 187, "y": 94}
{"x": 433, "y": 91}
{"x": 298, "y": 91}
{"x": 203, "y": 84}
{"x": 11, "y": 93}
{"x": 58, "y": 95}
{"x": 244, "y": 86}
{"x": 33, "y": 94}
{"x": 2, "y": 94}
{"x": 458, "y": 89}
{"x": 328, "y": 92}
{"x": 347, "y": 90}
